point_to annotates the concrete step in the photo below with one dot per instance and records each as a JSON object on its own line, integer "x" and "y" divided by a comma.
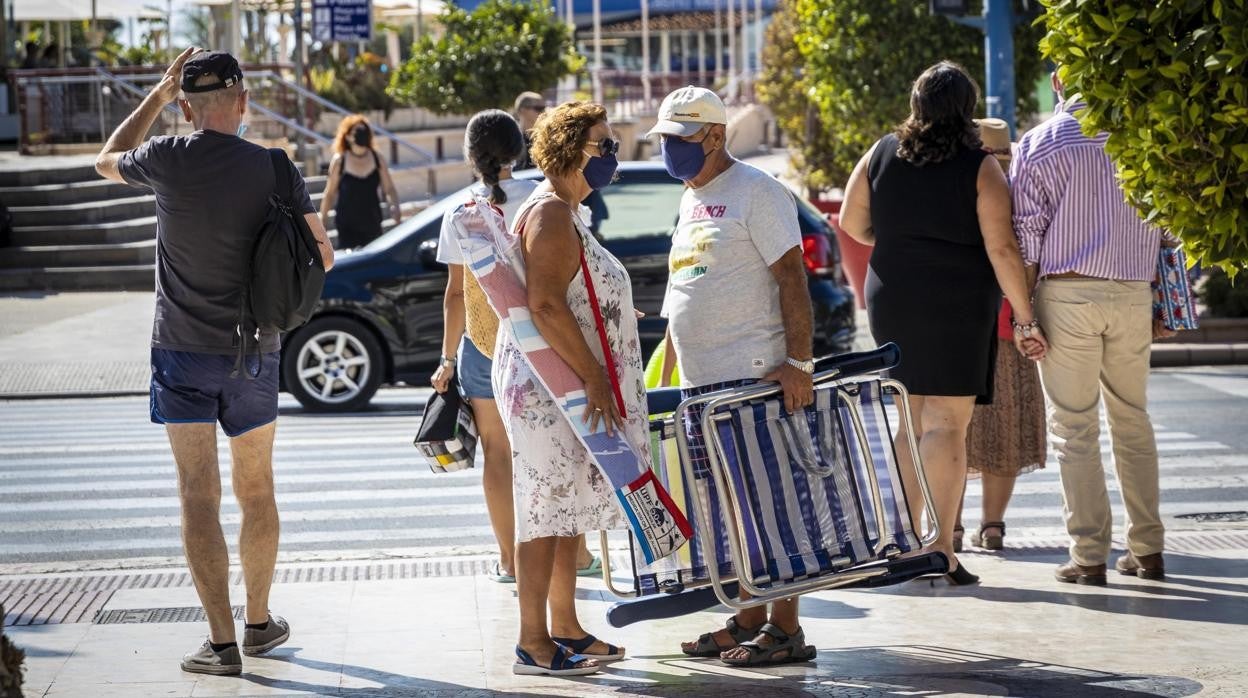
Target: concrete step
{"x": 36, "y": 176}
{"x": 65, "y": 193}
{"x": 119, "y": 209}
{"x": 136, "y": 277}
{"x": 110, "y": 232}
{"x": 117, "y": 254}
{"x": 109, "y": 210}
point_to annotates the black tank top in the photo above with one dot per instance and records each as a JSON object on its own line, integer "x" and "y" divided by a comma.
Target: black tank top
{"x": 358, "y": 209}
{"x": 926, "y": 216}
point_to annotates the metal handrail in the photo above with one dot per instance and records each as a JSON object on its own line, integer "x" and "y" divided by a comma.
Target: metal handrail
{"x": 323, "y": 140}
{"x": 127, "y": 86}
{"x": 429, "y": 157}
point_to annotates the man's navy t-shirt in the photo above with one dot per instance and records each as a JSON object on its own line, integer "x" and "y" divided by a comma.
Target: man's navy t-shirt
{"x": 212, "y": 194}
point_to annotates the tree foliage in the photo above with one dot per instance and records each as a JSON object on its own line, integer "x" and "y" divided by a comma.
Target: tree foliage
{"x": 1169, "y": 83}
{"x": 486, "y": 57}
{"x": 857, "y": 60}
{"x": 782, "y": 87}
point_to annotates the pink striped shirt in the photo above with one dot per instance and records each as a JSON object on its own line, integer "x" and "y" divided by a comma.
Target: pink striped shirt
{"x": 1069, "y": 213}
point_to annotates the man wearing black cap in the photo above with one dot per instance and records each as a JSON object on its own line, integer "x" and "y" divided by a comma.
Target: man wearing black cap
{"x": 212, "y": 194}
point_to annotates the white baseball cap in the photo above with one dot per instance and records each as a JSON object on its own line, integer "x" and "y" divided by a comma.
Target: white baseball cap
{"x": 685, "y": 111}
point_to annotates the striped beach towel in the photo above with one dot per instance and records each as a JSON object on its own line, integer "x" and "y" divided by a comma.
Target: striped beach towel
{"x": 494, "y": 257}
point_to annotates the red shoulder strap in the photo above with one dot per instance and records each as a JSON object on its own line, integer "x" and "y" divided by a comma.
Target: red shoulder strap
{"x": 602, "y": 335}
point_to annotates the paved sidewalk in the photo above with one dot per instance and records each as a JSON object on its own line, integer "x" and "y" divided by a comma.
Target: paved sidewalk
{"x": 1019, "y": 633}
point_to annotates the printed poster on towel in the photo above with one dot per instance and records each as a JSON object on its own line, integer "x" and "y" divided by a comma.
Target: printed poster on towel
{"x": 342, "y": 20}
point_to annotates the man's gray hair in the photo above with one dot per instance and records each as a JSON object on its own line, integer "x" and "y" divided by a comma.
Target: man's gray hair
{"x": 204, "y": 102}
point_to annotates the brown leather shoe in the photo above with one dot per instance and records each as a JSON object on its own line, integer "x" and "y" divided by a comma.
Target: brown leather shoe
{"x": 1075, "y": 573}
{"x": 1144, "y": 566}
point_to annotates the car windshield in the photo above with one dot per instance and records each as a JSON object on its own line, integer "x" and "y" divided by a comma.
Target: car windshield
{"x": 640, "y": 209}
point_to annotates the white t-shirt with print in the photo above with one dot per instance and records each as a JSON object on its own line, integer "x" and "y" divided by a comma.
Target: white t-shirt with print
{"x": 517, "y": 190}
{"x": 722, "y": 302}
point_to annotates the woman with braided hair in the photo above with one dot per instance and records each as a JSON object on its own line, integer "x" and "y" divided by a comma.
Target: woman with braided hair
{"x": 492, "y": 144}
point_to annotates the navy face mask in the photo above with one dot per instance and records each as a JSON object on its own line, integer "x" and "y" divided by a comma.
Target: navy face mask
{"x": 683, "y": 159}
{"x": 599, "y": 171}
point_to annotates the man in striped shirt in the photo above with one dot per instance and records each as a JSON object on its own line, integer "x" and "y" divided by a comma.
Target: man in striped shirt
{"x": 1094, "y": 258}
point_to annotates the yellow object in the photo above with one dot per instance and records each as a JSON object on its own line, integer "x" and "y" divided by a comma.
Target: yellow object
{"x": 654, "y": 368}
{"x": 481, "y": 324}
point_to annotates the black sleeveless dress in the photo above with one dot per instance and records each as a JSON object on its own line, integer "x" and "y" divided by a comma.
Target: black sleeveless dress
{"x": 930, "y": 287}
{"x": 358, "y": 209}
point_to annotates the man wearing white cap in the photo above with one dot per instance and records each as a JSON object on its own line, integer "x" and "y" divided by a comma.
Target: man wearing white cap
{"x": 738, "y": 312}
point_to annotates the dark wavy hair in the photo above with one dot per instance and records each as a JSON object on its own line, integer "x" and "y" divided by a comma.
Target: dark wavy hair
{"x": 493, "y": 142}
{"x": 941, "y": 121}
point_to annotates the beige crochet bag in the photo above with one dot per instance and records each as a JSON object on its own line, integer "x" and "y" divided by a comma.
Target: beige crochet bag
{"x": 482, "y": 323}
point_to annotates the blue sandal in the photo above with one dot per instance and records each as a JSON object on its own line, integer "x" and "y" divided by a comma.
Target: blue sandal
{"x": 563, "y": 664}
{"x": 580, "y": 646}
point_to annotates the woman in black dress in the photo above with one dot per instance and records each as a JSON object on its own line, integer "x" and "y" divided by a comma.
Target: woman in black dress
{"x": 937, "y": 210}
{"x": 353, "y": 191}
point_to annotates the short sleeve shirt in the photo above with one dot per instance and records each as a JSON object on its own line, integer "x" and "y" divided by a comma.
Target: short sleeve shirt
{"x": 722, "y": 303}
{"x": 212, "y": 194}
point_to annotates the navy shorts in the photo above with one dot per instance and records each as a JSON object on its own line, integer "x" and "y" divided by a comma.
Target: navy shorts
{"x": 192, "y": 387}
{"x": 474, "y": 372}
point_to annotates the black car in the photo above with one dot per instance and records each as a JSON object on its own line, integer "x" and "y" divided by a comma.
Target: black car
{"x": 380, "y": 317}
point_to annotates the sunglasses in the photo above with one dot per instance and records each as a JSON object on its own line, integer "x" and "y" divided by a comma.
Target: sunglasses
{"x": 539, "y": 108}
{"x": 608, "y": 147}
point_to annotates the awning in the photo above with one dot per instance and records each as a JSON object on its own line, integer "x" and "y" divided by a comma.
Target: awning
{"x": 72, "y": 10}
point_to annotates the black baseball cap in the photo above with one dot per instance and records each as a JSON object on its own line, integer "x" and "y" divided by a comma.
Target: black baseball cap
{"x": 217, "y": 63}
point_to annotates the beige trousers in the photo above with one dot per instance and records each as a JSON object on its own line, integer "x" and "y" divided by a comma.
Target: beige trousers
{"x": 1100, "y": 337}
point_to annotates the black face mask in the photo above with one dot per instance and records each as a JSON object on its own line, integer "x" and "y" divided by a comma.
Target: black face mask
{"x": 362, "y": 138}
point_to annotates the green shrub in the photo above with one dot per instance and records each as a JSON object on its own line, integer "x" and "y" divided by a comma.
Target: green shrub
{"x": 486, "y": 57}
{"x": 1169, "y": 82}
{"x": 856, "y": 61}
{"x": 1223, "y": 296}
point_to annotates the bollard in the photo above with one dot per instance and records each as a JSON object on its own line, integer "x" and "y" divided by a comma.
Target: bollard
{"x": 437, "y": 149}
{"x": 394, "y": 152}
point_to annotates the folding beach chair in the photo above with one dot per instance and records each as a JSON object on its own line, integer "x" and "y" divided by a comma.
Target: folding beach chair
{"x": 789, "y": 503}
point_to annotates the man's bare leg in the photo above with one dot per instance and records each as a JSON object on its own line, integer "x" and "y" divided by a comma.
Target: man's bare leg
{"x": 199, "y": 489}
{"x": 252, "y": 471}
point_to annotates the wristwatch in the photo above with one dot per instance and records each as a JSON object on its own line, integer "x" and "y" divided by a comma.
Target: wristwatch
{"x": 446, "y": 360}
{"x": 807, "y": 366}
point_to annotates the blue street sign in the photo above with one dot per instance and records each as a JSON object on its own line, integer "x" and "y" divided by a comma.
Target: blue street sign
{"x": 342, "y": 20}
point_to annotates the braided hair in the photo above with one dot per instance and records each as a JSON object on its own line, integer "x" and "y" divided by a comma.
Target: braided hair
{"x": 942, "y": 106}
{"x": 492, "y": 143}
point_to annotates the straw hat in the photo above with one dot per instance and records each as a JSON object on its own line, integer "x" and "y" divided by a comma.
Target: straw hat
{"x": 995, "y": 134}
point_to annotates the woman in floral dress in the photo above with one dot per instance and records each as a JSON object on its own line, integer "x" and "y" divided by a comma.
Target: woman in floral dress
{"x": 559, "y": 491}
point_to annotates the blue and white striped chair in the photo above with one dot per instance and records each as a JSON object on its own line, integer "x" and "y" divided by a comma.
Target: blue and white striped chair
{"x": 799, "y": 501}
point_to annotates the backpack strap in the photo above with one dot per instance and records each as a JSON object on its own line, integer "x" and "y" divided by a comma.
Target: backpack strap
{"x": 281, "y": 172}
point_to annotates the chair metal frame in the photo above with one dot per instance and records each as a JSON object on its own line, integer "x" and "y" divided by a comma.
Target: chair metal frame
{"x": 846, "y": 390}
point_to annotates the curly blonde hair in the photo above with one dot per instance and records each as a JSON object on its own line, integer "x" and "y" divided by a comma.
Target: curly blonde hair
{"x": 561, "y": 134}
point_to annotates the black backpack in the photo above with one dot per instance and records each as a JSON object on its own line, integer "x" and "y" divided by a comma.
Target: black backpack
{"x": 287, "y": 273}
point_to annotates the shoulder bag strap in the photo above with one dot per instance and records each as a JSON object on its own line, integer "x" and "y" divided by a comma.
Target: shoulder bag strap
{"x": 602, "y": 334}
{"x": 281, "y": 172}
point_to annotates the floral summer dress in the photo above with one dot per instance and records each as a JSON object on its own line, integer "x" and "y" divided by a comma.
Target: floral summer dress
{"x": 559, "y": 491}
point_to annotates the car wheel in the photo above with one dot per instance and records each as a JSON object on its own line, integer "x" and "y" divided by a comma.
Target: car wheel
{"x": 333, "y": 364}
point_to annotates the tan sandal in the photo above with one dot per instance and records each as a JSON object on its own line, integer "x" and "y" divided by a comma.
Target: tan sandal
{"x": 994, "y": 542}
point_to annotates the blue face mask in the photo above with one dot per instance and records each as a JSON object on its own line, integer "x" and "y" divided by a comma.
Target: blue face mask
{"x": 242, "y": 128}
{"x": 683, "y": 160}
{"x": 599, "y": 171}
